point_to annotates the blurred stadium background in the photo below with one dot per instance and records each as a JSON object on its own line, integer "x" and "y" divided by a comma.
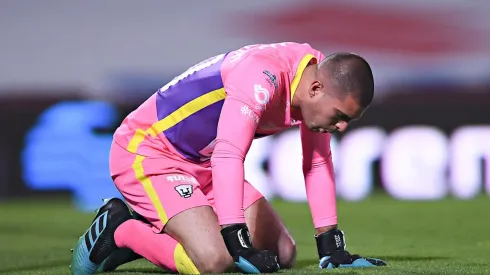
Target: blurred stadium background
{"x": 71, "y": 70}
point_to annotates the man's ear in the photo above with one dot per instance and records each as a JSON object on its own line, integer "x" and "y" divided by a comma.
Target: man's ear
{"x": 316, "y": 89}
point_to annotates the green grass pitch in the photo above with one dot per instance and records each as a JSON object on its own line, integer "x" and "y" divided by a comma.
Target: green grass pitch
{"x": 439, "y": 237}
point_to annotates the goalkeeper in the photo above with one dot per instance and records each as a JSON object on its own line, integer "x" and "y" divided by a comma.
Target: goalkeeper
{"x": 178, "y": 161}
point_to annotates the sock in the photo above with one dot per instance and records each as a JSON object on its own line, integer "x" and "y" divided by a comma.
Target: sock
{"x": 160, "y": 249}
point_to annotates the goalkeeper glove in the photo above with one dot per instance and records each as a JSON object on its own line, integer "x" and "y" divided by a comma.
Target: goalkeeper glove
{"x": 332, "y": 253}
{"x": 247, "y": 259}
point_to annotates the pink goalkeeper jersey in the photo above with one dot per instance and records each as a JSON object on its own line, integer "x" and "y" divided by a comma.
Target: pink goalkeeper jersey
{"x": 211, "y": 113}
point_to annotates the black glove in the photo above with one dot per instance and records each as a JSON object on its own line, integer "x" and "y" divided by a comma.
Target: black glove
{"x": 247, "y": 259}
{"x": 332, "y": 253}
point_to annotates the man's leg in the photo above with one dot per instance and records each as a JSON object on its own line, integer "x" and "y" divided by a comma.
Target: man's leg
{"x": 184, "y": 235}
{"x": 164, "y": 251}
{"x": 267, "y": 230}
{"x": 198, "y": 231}
{"x": 191, "y": 241}
{"x": 162, "y": 198}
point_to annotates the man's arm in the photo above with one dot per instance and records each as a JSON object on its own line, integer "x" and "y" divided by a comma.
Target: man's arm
{"x": 248, "y": 94}
{"x": 320, "y": 189}
{"x": 319, "y": 179}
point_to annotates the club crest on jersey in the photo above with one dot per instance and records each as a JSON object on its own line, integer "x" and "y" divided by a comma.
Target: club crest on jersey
{"x": 184, "y": 190}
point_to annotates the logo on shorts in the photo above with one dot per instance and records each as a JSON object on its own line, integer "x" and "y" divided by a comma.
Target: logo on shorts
{"x": 184, "y": 190}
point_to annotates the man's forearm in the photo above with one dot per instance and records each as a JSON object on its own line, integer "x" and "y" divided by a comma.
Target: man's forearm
{"x": 228, "y": 190}
{"x": 320, "y": 190}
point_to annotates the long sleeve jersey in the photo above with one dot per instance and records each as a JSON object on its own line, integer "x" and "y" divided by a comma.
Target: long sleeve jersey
{"x": 210, "y": 114}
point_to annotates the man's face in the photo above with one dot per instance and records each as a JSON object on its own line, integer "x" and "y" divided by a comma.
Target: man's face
{"x": 323, "y": 112}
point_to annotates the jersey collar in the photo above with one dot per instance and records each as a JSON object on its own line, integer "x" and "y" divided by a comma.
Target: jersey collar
{"x": 299, "y": 72}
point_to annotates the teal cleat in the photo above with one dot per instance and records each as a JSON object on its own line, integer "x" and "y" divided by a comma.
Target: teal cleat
{"x": 94, "y": 248}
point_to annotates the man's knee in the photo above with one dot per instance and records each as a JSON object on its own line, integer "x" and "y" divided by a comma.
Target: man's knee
{"x": 287, "y": 251}
{"x": 269, "y": 232}
{"x": 214, "y": 260}
{"x": 197, "y": 230}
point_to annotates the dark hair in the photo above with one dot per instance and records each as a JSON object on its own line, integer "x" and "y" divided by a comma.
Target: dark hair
{"x": 350, "y": 75}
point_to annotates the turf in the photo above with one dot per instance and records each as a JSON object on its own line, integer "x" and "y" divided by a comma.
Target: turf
{"x": 440, "y": 237}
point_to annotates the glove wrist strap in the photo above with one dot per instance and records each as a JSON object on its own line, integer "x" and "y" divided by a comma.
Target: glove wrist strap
{"x": 329, "y": 242}
{"x": 237, "y": 238}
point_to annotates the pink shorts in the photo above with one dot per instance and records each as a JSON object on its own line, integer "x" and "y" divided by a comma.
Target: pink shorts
{"x": 160, "y": 187}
